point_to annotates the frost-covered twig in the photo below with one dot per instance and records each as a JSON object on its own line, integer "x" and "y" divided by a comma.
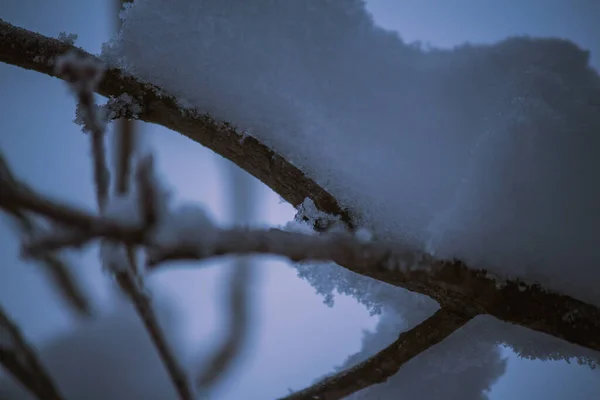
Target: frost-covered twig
{"x": 383, "y": 365}
{"x": 125, "y": 130}
{"x": 83, "y": 74}
{"x": 20, "y": 360}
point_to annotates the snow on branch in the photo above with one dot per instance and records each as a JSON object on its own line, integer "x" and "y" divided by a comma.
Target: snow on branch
{"x": 20, "y": 360}
{"x": 383, "y": 365}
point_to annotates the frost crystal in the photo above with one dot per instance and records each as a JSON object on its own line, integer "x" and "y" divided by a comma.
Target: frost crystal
{"x": 81, "y": 115}
{"x": 308, "y": 212}
{"x": 123, "y": 105}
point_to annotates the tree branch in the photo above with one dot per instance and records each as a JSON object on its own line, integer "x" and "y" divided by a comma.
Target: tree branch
{"x": 33, "y": 51}
{"x": 453, "y": 285}
{"x": 383, "y": 365}
{"x": 19, "y": 358}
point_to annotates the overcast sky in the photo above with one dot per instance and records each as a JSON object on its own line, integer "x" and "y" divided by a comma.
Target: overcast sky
{"x": 296, "y": 337}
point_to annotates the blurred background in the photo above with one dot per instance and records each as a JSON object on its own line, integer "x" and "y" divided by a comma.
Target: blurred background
{"x": 295, "y": 338}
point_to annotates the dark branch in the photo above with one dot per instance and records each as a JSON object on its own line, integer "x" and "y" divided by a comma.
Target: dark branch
{"x": 128, "y": 284}
{"x": 383, "y": 365}
{"x": 125, "y": 129}
{"x": 19, "y": 359}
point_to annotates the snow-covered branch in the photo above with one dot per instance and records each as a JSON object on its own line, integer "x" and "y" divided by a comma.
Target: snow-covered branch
{"x": 383, "y": 365}
{"x": 30, "y": 50}
{"x": 19, "y": 359}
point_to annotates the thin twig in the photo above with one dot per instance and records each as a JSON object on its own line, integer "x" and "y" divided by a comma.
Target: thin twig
{"x": 20, "y": 360}
{"x": 383, "y": 365}
{"x": 60, "y": 272}
{"x": 81, "y": 76}
{"x": 125, "y": 130}
{"x": 129, "y": 285}
{"x": 126, "y": 137}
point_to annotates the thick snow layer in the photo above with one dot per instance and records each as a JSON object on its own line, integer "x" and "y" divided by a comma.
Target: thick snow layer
{"x": 484, "y": 153}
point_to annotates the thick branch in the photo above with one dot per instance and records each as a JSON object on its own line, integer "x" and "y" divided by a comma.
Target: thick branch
{"x": 450, "y": 283}
{"x": 33, "y": 51}
{"x": 383, "y": 365}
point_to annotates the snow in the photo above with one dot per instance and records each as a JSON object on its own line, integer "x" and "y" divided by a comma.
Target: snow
{"x": 363, "y": 235}
{"x": 484, "y": 153}
{"x": 308, "y": 212}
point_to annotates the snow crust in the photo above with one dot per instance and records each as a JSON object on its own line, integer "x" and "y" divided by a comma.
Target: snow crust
{"x": 485, "y": 153}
